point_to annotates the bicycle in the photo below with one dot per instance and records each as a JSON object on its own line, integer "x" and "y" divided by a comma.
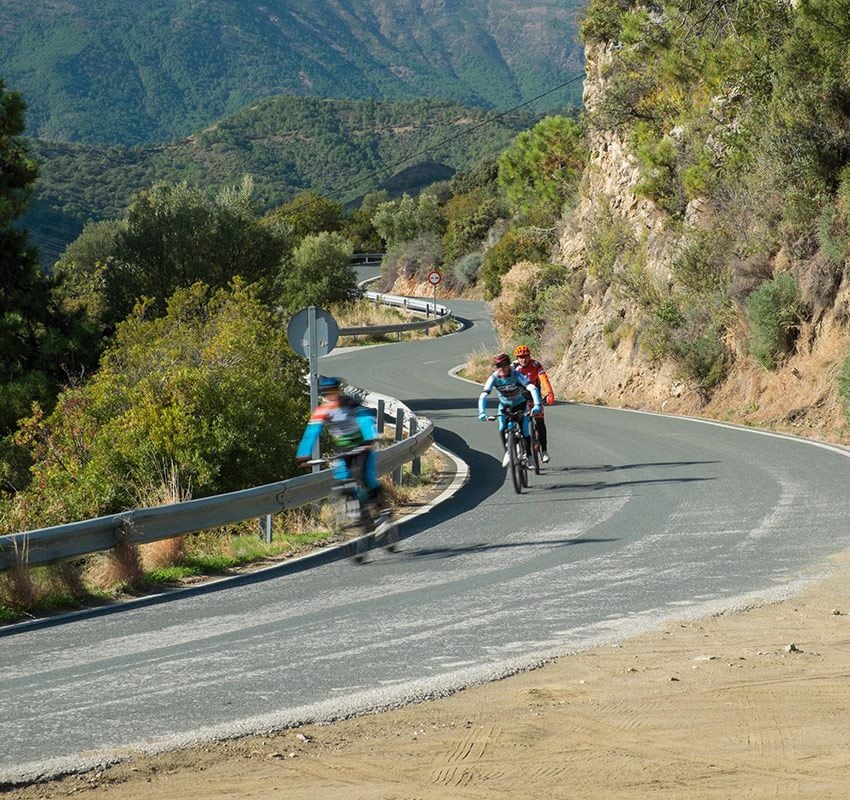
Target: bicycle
{"x": 515, "y": 445}
{"x": 353, "y": 511}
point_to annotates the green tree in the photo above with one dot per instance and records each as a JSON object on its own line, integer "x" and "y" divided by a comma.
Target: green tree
{"x": 38, "y": 345}
{"x": 207, "y": 396}
{"x": 319, "y": 273}
{"x": 540, "y": 170}
{"x": 468, "y": 218}
{"x": 358, "y": 227}
{"x": 404, "y": 219}
{"x": 517, "y": 244}
{"x": 309, "y": 213}
{"x": 173, "y": 236}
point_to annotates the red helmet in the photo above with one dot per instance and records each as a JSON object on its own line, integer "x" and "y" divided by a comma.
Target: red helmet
{"x": 501, "y": 360}
{"x": 522, "y": 350}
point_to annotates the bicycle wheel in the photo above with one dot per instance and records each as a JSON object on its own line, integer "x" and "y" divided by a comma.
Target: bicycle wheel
{"x": 522, "y": 458}
{"x": 535, "y": 446}
{"x": 515, "y": 462}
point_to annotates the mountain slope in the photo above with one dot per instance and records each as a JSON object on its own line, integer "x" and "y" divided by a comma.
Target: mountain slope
{"x": 341, "y": 148}
{"x": 108, "y": 71}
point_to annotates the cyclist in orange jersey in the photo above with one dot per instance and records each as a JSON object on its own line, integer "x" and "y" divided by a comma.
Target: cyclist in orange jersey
{"x": 532, "y": 369}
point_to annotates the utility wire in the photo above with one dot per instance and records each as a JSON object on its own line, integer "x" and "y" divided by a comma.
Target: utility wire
{"x": 448, "y": 139}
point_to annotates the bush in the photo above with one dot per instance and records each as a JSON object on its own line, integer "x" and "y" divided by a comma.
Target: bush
{"x": 412, "y": 259}
{"x": 602, "y": 20}
{"x": 319, "y": 273}
{"x": 208, "y": 398}
{"x": 607, "y": 239}
{"x": 465, "y": 270}
{"x": 772, "y": 312}
{"x": 518, "y": 244}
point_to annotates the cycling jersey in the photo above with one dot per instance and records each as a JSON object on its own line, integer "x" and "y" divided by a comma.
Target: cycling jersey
{"x": 510, "y": 389}
{"x": 534, "y": 371}
{"x": 350, "y": 425}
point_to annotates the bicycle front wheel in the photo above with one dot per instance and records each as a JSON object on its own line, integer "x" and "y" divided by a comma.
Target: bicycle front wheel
{"x": 515, "y": 460}
{"x": 522, "y": 459}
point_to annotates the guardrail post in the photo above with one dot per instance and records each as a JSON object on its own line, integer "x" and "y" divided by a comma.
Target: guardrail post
{"x": 266, "y": 528}
{"x": 399, "y": 435}
{"x": 379, "y": 418}
{"x": 416, "y": 467}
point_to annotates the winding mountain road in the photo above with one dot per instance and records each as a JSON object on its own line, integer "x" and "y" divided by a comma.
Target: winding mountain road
{"x": 637, "y": 518}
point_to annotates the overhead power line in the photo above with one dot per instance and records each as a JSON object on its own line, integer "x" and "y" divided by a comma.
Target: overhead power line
{"x": 340, "y": 192}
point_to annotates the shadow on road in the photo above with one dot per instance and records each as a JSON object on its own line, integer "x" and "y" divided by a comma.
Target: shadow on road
{"x": 483, "y": 547}
{"x": 615, "y": 467}
{"x": 597, "y": 486}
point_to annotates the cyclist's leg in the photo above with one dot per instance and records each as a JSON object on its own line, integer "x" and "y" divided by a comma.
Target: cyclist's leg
{"x": 341, "y": 468}
{"x": 540, "y": 421}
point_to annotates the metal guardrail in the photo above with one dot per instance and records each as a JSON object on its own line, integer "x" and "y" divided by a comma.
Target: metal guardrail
{"x": 441, "y": 314}
{"x": 62, "y": 542}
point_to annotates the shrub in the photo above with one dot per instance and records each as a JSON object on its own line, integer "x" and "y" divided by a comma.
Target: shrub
{"x": 468, "y": 218}
{"x": 602, "y": 20}
{"x": 518, "y": 244}
{"x": 772, "y": 312}
{"x": 210, "y": 394}
{"x": 412, "y": 259}
{"x": 607, "y": 239}
{"x": 465, "y": 270}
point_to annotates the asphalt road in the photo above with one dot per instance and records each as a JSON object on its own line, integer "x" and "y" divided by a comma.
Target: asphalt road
{"x": 638, "y": 518}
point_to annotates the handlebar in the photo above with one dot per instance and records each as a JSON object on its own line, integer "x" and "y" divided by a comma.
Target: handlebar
{"x": 355, "y": 451}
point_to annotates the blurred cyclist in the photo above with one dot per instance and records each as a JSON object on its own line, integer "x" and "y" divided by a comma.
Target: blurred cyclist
{"x": 511, "y": 386}
{"x": 533, "y": 370}
{"x": 351, "y": 426}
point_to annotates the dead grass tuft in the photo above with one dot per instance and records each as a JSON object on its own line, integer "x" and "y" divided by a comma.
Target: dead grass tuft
{"x": 17, "y": 589}
{"x": 120, "y": 568}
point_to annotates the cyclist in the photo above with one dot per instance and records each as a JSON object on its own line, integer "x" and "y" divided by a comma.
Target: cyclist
{"x": 350, "y": 426}
{"x": 511, "y": 386}
{"x": 533, "y": 370}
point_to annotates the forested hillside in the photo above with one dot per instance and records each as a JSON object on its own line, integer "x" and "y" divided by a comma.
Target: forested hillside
{"x": 113, "y": 72}
{"x": 341, "y": 148}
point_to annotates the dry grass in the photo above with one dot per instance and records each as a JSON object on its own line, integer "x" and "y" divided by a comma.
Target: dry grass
{"x": 170, "y": 489}
{"x": 120, "y": 568}
{"x": 479, "y": 365}
{"x": 800, "y": 397}
{"x": 366, "y": 312}
{"x": 17, "y": 589}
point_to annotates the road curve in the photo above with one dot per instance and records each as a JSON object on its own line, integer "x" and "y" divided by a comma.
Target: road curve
{"x": 638, "y": 518}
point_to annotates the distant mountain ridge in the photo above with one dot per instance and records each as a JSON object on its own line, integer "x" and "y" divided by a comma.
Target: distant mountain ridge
{"x": 340, "y": 148}
{"x": 114, "y": 72}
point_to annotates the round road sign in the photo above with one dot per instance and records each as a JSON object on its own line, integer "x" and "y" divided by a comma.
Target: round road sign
{"x": 298, "y": 332}
{"x": 434, "y": 278}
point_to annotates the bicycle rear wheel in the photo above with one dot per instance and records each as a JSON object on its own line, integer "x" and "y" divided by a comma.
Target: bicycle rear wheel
{"x": 515, "y": 460}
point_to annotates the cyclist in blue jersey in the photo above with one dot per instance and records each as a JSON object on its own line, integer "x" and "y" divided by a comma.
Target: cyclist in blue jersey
{"x": 511, "y": 387}
{"x": 351, "y": 427}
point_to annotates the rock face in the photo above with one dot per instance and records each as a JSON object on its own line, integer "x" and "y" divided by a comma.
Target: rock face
{"x": 604, "y": 363}
{"x": 592, "y": 369}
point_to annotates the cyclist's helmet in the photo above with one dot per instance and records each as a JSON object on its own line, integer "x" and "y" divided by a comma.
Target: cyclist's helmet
{"x": 501, "y": 360}
{"x": 328, "y": 383}
{"x": 521, "y": 350}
